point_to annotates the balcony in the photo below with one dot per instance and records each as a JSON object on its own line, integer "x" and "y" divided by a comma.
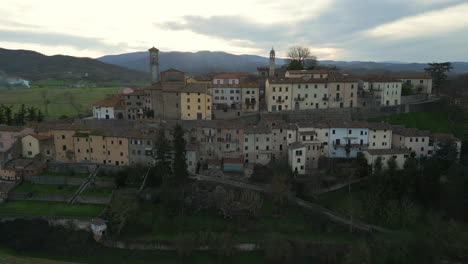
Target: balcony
{"x": 338, "y": 99}
{"x": 280, "y": 100}
{"x": 232, "y": 140}
{"x": 299, "y": 99}
{"x": 324, "y": 98}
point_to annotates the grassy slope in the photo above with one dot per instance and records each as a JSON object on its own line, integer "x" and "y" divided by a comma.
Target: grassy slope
{"x": 60, "y": 103}
{"x": 433, "y": 121}
{"x": 45, "y": 188}
{"x": 292, "y": 223}
{"x": 37, "y": 208}
{"x": 119, "y": 256}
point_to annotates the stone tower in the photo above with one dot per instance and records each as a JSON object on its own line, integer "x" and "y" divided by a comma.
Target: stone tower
{"x": 154, "y": 65}
{"x": 272, "y": 63}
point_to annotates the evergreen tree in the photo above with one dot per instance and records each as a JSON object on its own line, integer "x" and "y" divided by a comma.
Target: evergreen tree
{"x": 428, "y": 188}
{"x": 446, "y": 154}
{"x": 32, "y": 115}
{"x": 179, "y": 166}
{"x": 163, "y": 162}
{"x": 8, "y": 115}
{"x": 19, "y": 117}
{"x": 40, "y": 116}
{"x": 2, "y": 115}
{"x": 378, "y": 167}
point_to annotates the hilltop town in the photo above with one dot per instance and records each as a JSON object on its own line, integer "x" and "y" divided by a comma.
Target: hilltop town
{"x": 189, "y": 145}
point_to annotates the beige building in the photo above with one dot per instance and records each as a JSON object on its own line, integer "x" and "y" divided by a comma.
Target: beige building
{"x": 385, "y": 90}
{"x": 307, "y": 74}
{"x": 400, "y": 156}
{"x": 414, "y": 140}
{"x": 333, "y": 91}
{"x": 297, "y": 157}
{"x": 380, "y": 136}
{"x": 250, "y": 94}
{"x": 33, "y": 145}
{"x": 310, "y": 94}
{"x": 422, "y": 83}
{"x": 196, "y": 102}
{"x": 258, "y": 144}
{"x": 278, "y": 95}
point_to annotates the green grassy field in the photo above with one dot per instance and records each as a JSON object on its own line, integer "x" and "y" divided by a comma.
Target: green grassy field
{"x": 45, "y": 188}
{"x": 37, "y": 208}
{"x": 59, "y": 99}
{"x": 292, "y": 223}
{"x": 121, "y": 256}
{"x": 436, "y": 121}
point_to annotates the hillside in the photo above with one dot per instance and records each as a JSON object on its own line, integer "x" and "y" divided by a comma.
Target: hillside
{"x": 192, "y": 63}
{"x": 32, "y": 66}
{"x": 206, "y": 61}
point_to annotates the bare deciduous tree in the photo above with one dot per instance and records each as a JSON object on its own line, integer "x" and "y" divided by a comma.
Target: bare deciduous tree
{"x": 303, "y": 55}
{"x": 45, "y": 101}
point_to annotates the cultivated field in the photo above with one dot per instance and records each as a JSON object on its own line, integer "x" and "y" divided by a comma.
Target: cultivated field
{"x": 63, "y": 101}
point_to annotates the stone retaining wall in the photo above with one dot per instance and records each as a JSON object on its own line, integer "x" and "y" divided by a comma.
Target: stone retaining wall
{"x": 19, "y": 196}
{"x": 66, "y": 180}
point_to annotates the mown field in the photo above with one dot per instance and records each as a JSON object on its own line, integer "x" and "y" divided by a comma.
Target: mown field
{"x": 452, "y": 121}
{"x": 38, "y": 208}
{"x": 63, "y": 101}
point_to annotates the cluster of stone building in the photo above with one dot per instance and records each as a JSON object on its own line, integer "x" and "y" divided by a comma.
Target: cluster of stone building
{"x": 124, "y": 127}
{"x": 173, "y": 96}
{"x": 229, "y": 145}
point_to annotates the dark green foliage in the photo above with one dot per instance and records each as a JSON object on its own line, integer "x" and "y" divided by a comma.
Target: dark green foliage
{"x": 179, "y": 165}
{"x": 295, "y": 65}
{"x": 19, "y": 118}
{"x": 438, "y": 71}
{"x": 406, "y": 89}
{"x": 363, "y": 169}
{"x": 428, "y": 183}
{"x": 446, "y": 153}
{"x": 162, "y": 168}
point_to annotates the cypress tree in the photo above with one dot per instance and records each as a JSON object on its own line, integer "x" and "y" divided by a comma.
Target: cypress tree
{"x": 2, "y": 115}
{"x": 179, "y": 165}
{"x": 162, "y": 158}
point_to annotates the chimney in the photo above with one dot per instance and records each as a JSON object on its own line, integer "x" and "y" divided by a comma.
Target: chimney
{"x": 154, "y": 65}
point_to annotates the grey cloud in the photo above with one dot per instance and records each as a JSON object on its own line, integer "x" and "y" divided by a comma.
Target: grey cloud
{"x": 56, "y": 39}
{"x": 337, "y": 27}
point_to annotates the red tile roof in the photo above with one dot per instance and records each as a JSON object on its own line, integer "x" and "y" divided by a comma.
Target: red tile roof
{"x": 308, "y": 71}
{"x": 107, "y": 102}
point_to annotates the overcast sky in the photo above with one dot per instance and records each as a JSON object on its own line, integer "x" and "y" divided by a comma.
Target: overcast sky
{"x": 377, "y": 30}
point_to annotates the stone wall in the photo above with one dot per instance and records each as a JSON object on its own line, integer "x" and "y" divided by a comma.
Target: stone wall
{"x": 66, "y": 180}
{"x": 74, "y": 223}
{"x": 78, "y": 168}
{"x": 413, "y": 98}
{"x": 18, "y": 196}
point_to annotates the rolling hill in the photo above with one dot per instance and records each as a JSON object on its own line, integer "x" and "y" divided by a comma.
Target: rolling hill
{"x": 191, "y": 62}
{"x": 206, "y": 61}
{"x": 32, "y": 65}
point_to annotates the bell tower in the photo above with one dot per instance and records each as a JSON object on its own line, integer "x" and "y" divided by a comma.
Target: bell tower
{"x": 272, "y": 63}
{"x": 154, "y": 65}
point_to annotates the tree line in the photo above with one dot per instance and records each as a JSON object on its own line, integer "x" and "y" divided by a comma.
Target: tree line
{"x": 8, "y": 115}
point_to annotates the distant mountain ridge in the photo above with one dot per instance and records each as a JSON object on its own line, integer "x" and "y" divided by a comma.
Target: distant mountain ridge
{"x": 32, "y": 65}
{"x": 205, "y": 61}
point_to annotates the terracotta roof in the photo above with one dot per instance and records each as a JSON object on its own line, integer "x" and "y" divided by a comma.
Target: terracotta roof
{"x": 410, "y": 132}
{"x": 5, "y": 128}
{"x": 226, "y": 85}
{"x": 107, "y": 102}
{"x": 444, "y": 137}
{"x": 393, "y": 151}
{"x": 380, "y": 126}
{"x": 308, "y": 71}
{"x": 196, "y": 88}
{"x": 230, "y": 75}
{"x": 41, "y": 137}
{"x": 153, "y": 49}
